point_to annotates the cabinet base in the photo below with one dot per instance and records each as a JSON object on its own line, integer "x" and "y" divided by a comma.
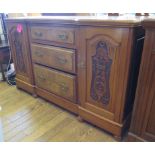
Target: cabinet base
{"x": 72, "y": 107}
{"x": 80, "y": 119}
{"x": 35, "y": 95}
{"x": 134, "y": 138}
{"x": 25, "y": 86}
{"x": 117, "y": 138}
{"x": 113, "y": 127}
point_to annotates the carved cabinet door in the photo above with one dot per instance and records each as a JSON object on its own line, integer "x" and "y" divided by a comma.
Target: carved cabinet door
{"x": 101, "y": 66}
{"x": 18, "y": 39}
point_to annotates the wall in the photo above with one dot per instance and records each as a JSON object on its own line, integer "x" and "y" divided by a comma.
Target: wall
{"x": 11, "y": 15}
{"x": 0, "y": 30}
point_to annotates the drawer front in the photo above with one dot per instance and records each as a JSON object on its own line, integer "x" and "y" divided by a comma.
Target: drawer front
{"x": 59, "y": 58}
{"x": 59, "y": 83}
{"x": 62, "y": 35}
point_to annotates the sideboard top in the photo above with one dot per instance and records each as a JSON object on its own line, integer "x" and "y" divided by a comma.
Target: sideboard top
{"x": 149, "y": 23}
{"x": 120, "y": 21}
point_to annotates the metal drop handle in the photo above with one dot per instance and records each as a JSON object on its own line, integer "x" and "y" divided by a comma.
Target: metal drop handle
{"x": 63, "y": 87}
{"x": 63, "y": 36}
{"x": 61, "y": 60}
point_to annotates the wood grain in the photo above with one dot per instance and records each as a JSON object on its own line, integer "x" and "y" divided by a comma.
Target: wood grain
{"x": 59, "y": 83}
{"x": 143, "y": 118}
{"x": 62, "y": 35}
{"x": 25, "y": 118}
{"x": 59, "y": 58}
{"x": 94, "y": 82}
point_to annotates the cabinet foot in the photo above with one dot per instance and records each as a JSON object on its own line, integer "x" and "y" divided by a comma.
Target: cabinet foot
{"x": 18, "y": 88}
{"x": 79, "y": 118}
{"x": 34, "y": 95}
{"x": 118, "y": 138}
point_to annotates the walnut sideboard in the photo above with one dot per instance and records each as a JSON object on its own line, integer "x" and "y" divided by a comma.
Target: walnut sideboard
{"x": 86, "y": 65}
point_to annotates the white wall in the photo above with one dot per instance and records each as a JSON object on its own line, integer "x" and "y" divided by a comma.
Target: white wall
{"x": 0, "y": 28}
{"x": 1, "y": 36}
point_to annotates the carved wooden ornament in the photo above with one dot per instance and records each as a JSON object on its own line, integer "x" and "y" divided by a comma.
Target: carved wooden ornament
{"x": 101, "y": 65}
{"x": 17, "y": 35}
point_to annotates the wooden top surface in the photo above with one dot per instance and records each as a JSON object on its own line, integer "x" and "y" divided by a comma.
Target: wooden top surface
{"x": 122, "y": 21}
{"x": 149, "y": 23}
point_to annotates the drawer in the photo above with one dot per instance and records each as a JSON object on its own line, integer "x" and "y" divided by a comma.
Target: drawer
{"x": 59, "y": 58}
{"x": 62, "y": 35}
{"x": 59, "y": 83}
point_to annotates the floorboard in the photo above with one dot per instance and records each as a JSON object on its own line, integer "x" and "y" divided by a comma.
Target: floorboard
{"x": 24, "y": 118}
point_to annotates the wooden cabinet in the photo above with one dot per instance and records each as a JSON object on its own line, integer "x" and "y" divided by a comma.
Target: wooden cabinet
{"x": 105, "y": 78}
{"x": 143, "y": 118}
{"x": 19, "y": 44}
{"x": 87, "y": 66}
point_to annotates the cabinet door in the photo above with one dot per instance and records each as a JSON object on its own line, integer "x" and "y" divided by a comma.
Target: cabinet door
{"x": 19, "y": 45}
{"x": 103, "y": 66}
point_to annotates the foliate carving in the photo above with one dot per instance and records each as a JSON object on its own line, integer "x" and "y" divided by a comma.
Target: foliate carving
{"x": 101, "y": 65}
{"x": 17, "y": 40}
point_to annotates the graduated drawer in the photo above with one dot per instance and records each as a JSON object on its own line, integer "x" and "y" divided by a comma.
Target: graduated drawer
{"x": 56, "y": 57}
{"x": 62, "y": 35}
{"x": 57, "y": 82}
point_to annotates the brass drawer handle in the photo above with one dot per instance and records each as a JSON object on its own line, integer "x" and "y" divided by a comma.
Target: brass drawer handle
{"x": 42, "y": 78}
{"x": 39, "y": 54}
{"x": 63, "y": 36}
{"x": 61, "y": 60}
{"x": 38, "y": 34}
{"x": 63, "y": 87}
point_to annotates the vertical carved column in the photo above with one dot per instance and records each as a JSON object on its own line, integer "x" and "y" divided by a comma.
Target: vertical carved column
{"x": 101, "y": 65}
{"x": 17, "y": 38}
{"x": 18, "y": 48}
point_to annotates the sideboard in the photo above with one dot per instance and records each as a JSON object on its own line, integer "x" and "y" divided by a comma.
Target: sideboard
{"x": 87, "y": 65}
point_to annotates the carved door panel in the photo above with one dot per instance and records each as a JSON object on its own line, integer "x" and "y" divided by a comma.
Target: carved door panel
{"x": 100, "y": 70}
{"x": 20, "y": 51}
{"x": 101, "y": 57}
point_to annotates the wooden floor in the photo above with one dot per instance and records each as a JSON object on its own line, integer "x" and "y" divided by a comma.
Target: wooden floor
{"x": 25, "y": 118}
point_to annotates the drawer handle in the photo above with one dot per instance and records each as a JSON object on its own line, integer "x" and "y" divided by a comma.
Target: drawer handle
{"x": 63, "y": 87}
{"x": 42, "y": 78}
{"x": 38, "y": 34}
{"x": 39, "y": 54}
{"x": 62, "y": 60}
{"x": 63, "y": 36}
